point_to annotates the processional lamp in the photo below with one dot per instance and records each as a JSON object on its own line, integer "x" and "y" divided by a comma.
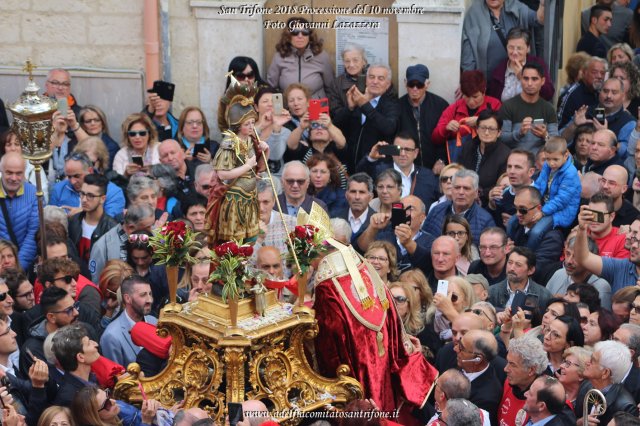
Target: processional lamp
{"x": 32, "y": 123}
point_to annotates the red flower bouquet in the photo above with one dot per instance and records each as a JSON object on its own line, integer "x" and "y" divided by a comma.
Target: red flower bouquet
{"x": 231, "y": 259}
{"x": 307, "y": 244}
{"x": 173, "y": 243}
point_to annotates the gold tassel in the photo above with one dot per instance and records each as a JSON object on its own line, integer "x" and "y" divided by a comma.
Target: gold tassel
{"x": 385, "y": 303}
{"x": 367, "y": 303}
{"x": 380, "y": 339}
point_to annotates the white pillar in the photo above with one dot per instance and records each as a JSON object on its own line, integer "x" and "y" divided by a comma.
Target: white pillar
{"x": 223, "y": 34}
{"x": 432, "y": 38}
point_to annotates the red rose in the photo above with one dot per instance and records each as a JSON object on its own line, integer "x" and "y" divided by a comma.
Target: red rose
{"x": 220, "y": 250}
{"x": 246, "y": 251}
{"x": 301, "y": 232}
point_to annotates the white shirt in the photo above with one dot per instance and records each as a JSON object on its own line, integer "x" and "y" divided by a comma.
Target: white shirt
{"x": 356, "y": 222}
{"x": 513, "y": 293}
{"x": 473, "y": 376}
{"x": 406, "y": 180}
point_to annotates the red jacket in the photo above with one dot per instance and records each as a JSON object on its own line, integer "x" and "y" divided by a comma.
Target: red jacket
{"x": 457, "y": 111}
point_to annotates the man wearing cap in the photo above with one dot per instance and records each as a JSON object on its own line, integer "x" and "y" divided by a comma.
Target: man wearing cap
{"x": 420, "y": 111}
{"x": 159, "y": 109}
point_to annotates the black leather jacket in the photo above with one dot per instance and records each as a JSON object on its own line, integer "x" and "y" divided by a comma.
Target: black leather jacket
{"x": 618, "y": 399}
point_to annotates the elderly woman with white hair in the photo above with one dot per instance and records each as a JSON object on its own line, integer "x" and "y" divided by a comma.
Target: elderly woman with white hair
{"x": 609, "y": 365}
{"x": 460, "y": 296}
{"x": 355, "y": 64}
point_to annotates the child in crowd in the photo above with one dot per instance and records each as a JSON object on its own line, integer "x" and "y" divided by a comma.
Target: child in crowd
{"x": 559, "y": 184}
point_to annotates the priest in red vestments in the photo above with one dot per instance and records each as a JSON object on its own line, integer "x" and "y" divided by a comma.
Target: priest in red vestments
{"x": 359, "y": 326}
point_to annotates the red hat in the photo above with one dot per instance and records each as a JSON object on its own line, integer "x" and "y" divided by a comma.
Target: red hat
{"x": 144, "y": 334}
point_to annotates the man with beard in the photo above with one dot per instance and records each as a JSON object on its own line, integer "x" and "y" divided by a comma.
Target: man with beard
{"x": 116, "y": 341}
{"x": 585, "y": 93}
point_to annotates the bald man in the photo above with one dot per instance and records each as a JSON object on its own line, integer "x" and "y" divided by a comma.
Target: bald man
{"x": 254, "y": 412}
{"x": 412, "y": 244}
{"x": 614, "y": 184}
{"x": 603, "y": 152}
{"x": 171, "y": 154}
{"x": 475, "y": 352}
{"x": 445, "y": 252}
{"x": 269, "y": 260}
{"x": 19, "y": 208}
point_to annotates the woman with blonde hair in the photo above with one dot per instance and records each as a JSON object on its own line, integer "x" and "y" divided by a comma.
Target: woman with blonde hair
{"x": 93, "y": 122}
{"x": 407, "y": 306}
{"x": 383, "y": 257}
{"x": 446, "y": 183}
{"x": 460, "y": 297}
{"x": 56, "y": 416}
{"x": 193, "y": 281}
{"x": 94, "y": 148}
{"x": 139, "y": 145}
{"x": 9, "y": 256}
{"x": 418, "y": 281}
{"x": 114, "y": 272}
{"x": 571, "y": 373}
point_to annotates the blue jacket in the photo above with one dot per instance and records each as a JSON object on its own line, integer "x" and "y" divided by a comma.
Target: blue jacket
{"x": 564, "y": 193}
{"x": 23, "y": 215}
{"x": 478, "y": 219}
{"x": 63, "y": 194}
{"x": 334, "y": 199}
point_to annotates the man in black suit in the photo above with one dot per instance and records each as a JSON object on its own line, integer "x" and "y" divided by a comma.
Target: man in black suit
{"x": 546, "y": 401}
{"x": 416, "y": 180}
{"x": 295, "y": 181}
{"x": 371, "y": 116}
{"x": 475, "y": 352}
{"x": 359, "y": 194}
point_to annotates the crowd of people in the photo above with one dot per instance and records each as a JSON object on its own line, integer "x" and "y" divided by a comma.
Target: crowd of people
{"x": 505, "y": 228}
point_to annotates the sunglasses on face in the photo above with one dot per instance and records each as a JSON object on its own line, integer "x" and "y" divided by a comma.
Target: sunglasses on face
{"x": 523, "y": 210}
{"x": 315, "y": 125}
{"x": 298, "y": 182}
{"x": 240, "y": 76}
{"x": 107, "y": 404}
{"x": 298, "y": 32}
{"x": 92, "y": 120}
{"x": 67, "y": 279}
{"x": 454, "y": 297}
{"x": 444, "y": 179}
{"x": 415, "y": 84}
{"x": 134, "y": 133}
{"x": 205, "y": 186}
{"x": 3, "y": 296}
{"x": 69, "y": 310}
{"x": 634, "y": 307}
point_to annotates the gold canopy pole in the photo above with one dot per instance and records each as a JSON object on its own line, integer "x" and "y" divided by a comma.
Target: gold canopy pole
{"x": 275, "y": 195}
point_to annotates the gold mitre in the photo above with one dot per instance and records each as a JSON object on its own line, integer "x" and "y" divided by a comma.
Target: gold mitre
{"x": 317, "y": 217}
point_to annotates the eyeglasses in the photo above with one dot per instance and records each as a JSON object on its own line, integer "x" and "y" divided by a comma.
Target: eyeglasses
{"x": 143, "y": 238}
{"x": 407, "y": 149}
{"x": 107, "y": 404}
{"x": 490, "y": 248}
{"x": 242, "y": 76}
{"x": 454, "y": 297}
{"x": 316, "y": 125}
{"x": 205, "y": 186}
{"x": 444, "y": 179}
{"x": 487, "y": 129}
{"x": 584, "y": 320}
{"x": 298, "y": 32}
{"x": 400, "y": 299}
{"x": 59, "y": 83}
{"x": 569, "y": 363}
{"x": 28, "y": 294}
{"x": 193, "y": 123}
{"x": 633, "y": 307}
{"x": 134, "y": 133}
{"x": 377, "y": 258}
{"x": 89, "y": 196}
{"x": 523, "y": 210}
{"x": 92, "y": 120}
{"x": 415, "y": 84}
{"x": 456, "y": 234}
{"x": 69, "y": 310}
{"x": 479, "y": 312}
{"x": 3, "y": 296}
{"x": 298, "y": 182}
{"x": 68, "y": 279}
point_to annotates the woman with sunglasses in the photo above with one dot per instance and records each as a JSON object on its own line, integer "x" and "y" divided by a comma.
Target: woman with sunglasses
{"x": 299, "y": 58}
{"x": 140, "y": 146}
{"x": 600, "y": 326}
{"x": 93, "y": 122}
{"x": 383, "y": 257}
{"x": 460, "y": 296}
{"x": 571, "y": 371}
{"x": 9, "y": 143}
{"x": 407, "y": 306}
{"x": 245, "y": 71}
{"x": 193, "y": 130}
{"x": 446, "y": 183}
{"x": 96, "y": 407}
{"x": 325, "y": 182}
{"x": 457, "y": 227}
{"x": 114, "y": 272}
{"x": 486, "y": 154}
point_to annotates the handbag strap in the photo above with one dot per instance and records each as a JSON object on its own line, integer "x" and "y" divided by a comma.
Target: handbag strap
{"x": 495, "y": 26}
{"x": 7, "y": 220}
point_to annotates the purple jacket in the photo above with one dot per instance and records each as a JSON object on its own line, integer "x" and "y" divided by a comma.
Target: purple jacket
{"x": 496, "y": 82}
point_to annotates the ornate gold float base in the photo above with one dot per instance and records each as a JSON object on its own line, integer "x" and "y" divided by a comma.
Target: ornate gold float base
{"x": 213, "y": 363}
